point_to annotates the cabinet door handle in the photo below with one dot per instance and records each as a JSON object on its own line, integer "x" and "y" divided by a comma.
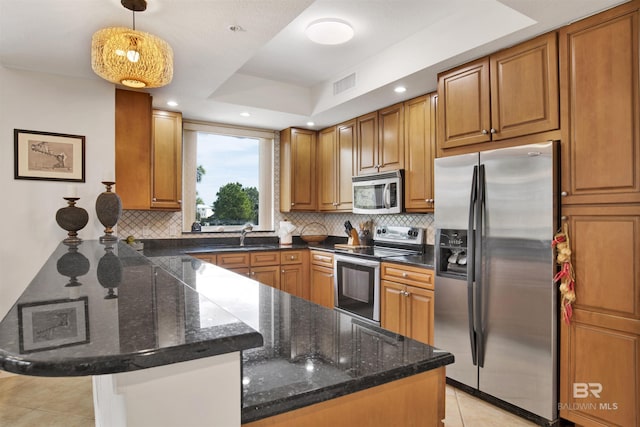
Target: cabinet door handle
{"x": 405, "y": 275}
{"x": 493, "y": 130}
{"x": 564, "y": 218}
{"x": 179, "y": 201}
{"x": 484, "y": 131}
{"x": 564, "y": 194}
{"x": 292, "y": 257}
{"x": 292, "y": 204}
{"x": 154, "y": 199}
{"x": 253, "y": 273}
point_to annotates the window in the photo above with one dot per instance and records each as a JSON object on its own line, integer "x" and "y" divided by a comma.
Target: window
{"x": 228, "y": 178}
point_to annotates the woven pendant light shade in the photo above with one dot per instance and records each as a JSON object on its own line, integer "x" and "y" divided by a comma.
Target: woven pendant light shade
{"x": 131, "y": 58}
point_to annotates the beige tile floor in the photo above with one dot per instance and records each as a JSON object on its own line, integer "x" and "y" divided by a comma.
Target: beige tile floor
{"x": 67, "y": 402}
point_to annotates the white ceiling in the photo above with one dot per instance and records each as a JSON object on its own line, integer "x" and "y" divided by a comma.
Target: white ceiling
{"x": 269, "y": 69}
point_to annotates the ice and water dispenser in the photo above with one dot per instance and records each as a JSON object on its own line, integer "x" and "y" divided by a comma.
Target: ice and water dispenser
{"x": 451, "y": 256}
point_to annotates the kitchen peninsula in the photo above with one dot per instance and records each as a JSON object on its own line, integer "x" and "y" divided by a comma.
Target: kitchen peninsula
{"x": 214, "y": 347}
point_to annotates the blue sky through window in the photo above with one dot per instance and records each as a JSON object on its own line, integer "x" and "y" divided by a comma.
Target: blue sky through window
{"x": 226, "y": 159}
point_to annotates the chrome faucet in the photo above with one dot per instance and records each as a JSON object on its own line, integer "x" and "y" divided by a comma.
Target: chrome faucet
{"x": 243, "y": 232}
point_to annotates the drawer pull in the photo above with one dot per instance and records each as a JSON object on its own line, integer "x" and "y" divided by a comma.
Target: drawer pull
{"x": 405, "y": 275}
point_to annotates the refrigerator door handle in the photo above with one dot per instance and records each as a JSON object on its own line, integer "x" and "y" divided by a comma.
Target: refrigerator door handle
{"x": 478, "y": 320}
{"x": 471, "y": 265}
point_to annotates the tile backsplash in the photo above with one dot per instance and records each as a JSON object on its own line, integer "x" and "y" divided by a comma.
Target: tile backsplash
{"x": 162, "y": 225}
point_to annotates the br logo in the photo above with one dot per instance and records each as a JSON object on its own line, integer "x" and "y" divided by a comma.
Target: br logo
{"x": 583, "y": 390}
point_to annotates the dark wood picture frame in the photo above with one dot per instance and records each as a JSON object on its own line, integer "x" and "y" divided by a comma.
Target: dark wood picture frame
{"x": 48, "y": 156}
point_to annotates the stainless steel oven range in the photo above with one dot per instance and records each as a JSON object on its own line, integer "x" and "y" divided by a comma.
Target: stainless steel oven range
{"x": 357, "y": 269}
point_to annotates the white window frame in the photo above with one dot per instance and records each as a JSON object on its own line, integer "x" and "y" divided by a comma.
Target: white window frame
{"x": 267, "y": 171}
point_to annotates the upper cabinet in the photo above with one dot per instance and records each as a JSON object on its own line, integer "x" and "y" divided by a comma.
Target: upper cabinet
{"x": 380, "y": 139}
{"x": 148, "y": 154}
{"x": 297, "y": 170}
{"x": 600, "y": 108}
{"x": 166, "y": 156}
{"x": 336, "y": 167}
{"x": 420, "y": 134}
{"x": 509, "y": 94}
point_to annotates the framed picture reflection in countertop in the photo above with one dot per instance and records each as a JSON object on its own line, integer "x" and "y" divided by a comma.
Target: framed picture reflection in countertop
{"x": 48, "y": 156}
{"x": 53, "y": 324}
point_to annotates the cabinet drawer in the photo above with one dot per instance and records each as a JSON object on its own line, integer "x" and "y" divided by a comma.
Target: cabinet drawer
{"x": 265, "y": 258}
{"x": 210, "y": 258}
{"x": 234, "y": 260}
{"x": 324, "y": 259}
{"x": 415, "y": 276}
{"x": 290, "y": 257}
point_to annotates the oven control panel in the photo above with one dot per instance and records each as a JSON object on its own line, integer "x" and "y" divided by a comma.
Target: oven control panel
{"x": 399, "y": 234}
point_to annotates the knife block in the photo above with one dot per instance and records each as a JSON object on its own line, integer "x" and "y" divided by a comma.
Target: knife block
{"x": 354, "y": 240}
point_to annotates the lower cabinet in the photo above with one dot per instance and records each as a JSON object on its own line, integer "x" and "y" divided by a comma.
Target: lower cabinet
{"x": 321, "y": 279}
{"x": 600, "y": 347}
{"x": 268, "y": 275}
{"x": 294, "y": 273}
{"x": 407, "y": 301}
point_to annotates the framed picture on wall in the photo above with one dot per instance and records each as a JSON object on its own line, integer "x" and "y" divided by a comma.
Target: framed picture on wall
{"x": 48, "y": 156}
{"x": 53, "y": 324}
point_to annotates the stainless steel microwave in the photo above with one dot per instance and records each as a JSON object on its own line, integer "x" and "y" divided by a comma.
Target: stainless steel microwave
{"x": 379, "y": 193}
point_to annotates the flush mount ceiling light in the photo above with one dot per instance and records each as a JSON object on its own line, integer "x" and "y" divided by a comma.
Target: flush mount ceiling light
{"x": 132, "y": 58}
{"x": 329, "y": 31}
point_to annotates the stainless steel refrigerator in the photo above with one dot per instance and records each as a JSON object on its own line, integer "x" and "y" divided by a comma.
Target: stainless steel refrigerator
{"x": 495, "y": 300}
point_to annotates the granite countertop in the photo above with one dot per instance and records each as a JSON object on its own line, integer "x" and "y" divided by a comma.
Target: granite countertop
{"x": 95, "y": 309}
{"x": 168, "y": 247}
{"x": 310, "y": 353}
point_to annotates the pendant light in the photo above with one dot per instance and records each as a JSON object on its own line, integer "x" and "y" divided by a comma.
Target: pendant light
{"x": 132, "y": 58}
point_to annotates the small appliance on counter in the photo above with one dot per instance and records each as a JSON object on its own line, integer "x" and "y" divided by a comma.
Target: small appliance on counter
{"x": 285, "y": 231}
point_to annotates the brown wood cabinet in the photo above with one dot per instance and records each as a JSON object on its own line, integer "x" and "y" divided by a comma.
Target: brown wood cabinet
{"x": 420, "y": 133}
{"x": 602, "y": 343}
{"x": 208, "y": 257}
{"x": 133, "y": 148}
{"x": 294, "y": 273}
{"x": 512, "y": 93}
{"x": 407, "y": 301}
{"x": 287, "y": 271}
{"x": 298, "y": 170}
{"x": 380, "y": 139}
{"x": 601, "y": 108}
{"x": 336, "y": 167}
{"x": 600, "y": 112}
{"x": 148, "y": 154}
{"x": 166, "y": 165}
{"x": 321, "y": 278}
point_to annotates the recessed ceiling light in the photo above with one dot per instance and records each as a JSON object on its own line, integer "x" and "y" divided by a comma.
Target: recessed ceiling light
{"x": 400, "y": 89}
{"x": 245, "y": 114}
{"x": 172, "y": 103}
{"x": 329, "y": 31}
{"x": 310, "y": 124}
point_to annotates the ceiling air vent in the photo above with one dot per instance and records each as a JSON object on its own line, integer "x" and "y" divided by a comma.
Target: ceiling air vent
{"x": 344, "y": 84}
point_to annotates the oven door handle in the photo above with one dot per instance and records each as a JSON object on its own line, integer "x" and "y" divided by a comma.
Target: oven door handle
{"x": 355, "y": 260}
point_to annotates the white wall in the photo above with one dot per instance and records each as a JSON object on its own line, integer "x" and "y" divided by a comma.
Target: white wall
{"x": 48, "y": 103}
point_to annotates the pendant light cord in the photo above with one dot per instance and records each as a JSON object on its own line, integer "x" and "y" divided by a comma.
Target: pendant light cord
{"x": 134, "y": 19}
